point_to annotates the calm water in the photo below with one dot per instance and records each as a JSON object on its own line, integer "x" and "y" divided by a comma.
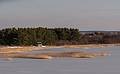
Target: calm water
{"x": 100, "y": 65}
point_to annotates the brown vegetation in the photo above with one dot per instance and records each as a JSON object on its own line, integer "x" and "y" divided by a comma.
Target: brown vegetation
{"x": 72, "y": 54}
{"x": 19, "y": 49}
{"x": 13, "y": 52}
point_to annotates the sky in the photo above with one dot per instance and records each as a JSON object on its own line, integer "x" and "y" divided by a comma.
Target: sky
{"x": 80, "y": 14}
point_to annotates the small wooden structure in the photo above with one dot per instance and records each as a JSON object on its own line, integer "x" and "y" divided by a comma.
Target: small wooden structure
{"x": 39, "y": 44}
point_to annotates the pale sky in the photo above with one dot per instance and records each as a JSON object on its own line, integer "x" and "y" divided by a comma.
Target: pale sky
{"x": 81, "y": 14}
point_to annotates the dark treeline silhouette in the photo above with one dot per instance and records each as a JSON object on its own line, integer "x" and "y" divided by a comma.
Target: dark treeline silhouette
{"x": 100, "y": 37}
{"x": 55, "y": 36}
{"x": 31, "y": 36}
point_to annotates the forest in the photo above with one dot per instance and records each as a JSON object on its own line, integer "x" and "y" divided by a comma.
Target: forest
{"x": 54, "y": 36}
{"x": 31, "y": 36}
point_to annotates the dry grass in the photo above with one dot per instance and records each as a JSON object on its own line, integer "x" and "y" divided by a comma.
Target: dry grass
{"x": 72, "y": 54}
{"x": 13, "y": 52}
{"x": 19, "y": 49}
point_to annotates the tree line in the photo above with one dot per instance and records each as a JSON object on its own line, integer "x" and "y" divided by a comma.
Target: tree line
{"x": 54, "y": 36}
{"x": 31, "y": 36}
{"x": 97, "y": 37}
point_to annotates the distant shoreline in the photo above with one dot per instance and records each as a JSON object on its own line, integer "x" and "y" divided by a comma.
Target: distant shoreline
{"x": 55, "y": 36}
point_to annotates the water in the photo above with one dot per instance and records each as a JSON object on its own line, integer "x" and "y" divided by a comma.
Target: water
{"x": 100, "y": 65}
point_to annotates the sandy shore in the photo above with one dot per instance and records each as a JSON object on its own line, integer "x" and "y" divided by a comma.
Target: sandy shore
{"x": 20, "y": 49}
{"x": 15, "y": 49}
{"x": 89, "y": 46}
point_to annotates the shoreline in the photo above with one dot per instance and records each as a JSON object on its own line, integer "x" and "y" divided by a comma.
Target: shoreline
{"x": 14, "y": 51}
{"x": 17, "y": 49}
{"x": 85, "y": 46}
